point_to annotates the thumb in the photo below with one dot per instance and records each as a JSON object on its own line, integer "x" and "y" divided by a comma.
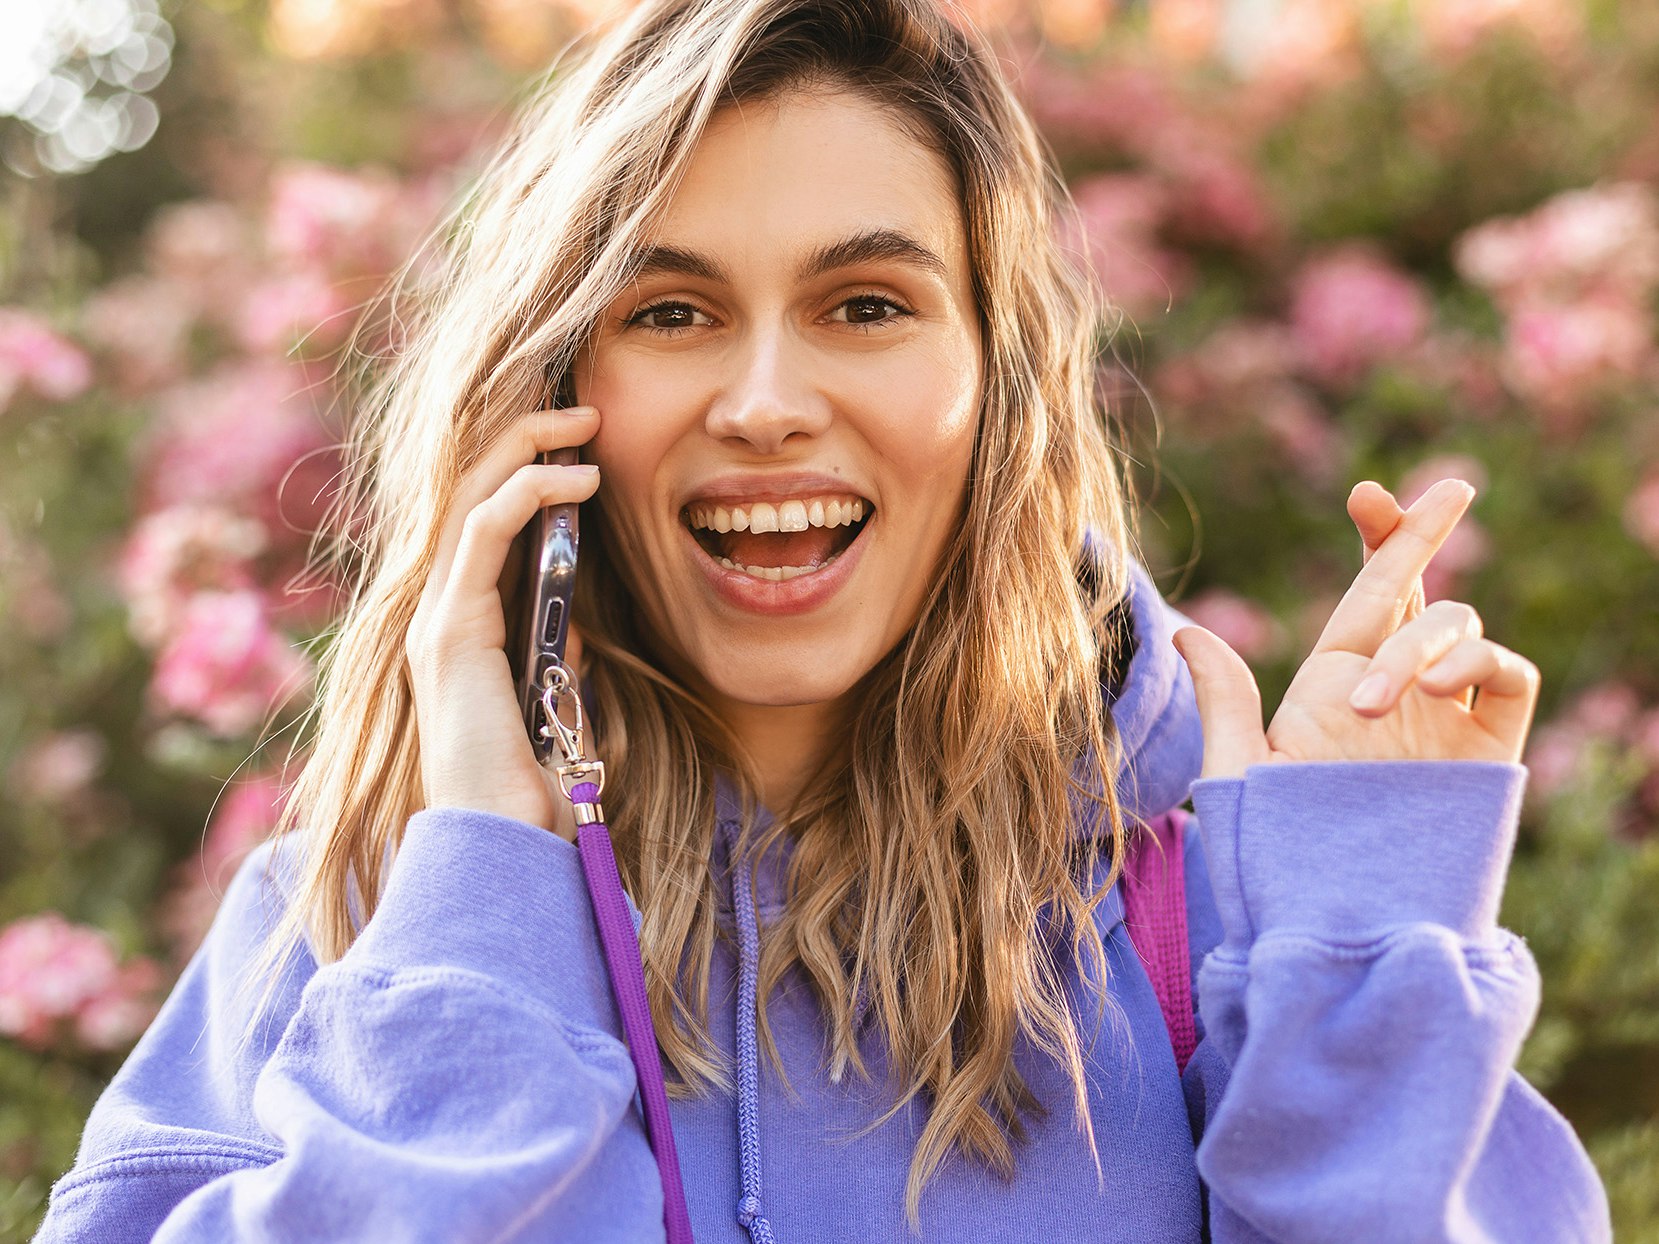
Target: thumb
{"x": 1229, "y": 704}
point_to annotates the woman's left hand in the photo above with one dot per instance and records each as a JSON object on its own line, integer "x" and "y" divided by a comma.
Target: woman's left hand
{"x": 1431, "y": 661}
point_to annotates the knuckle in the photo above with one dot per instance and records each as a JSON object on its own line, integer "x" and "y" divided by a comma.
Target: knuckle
{"x": 1375, "y": 588}
{"x": 421, "y": 661}
{"x": 1456, "y": 612}
{"x": 553, "y": 425}
{"x": 1452, "y": 618}
{"x": 1422, "y": 534}
{"x": 484, "y": 519}
{"x": 529, "y": 481}
{"x": 423, "y": 638}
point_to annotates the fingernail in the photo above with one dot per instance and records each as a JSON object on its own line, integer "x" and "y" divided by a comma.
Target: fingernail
{"x": 584, "y": 468}
{"x": 1371, "y": 692}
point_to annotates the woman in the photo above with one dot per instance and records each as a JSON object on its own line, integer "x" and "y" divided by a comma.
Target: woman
{"x": 884, "y": 698}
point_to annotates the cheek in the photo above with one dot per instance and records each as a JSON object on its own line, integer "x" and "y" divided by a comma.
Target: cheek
{"x": 633, "y": 439}
{"x": 634, "y": 434}
{"x": 931, "y": 425}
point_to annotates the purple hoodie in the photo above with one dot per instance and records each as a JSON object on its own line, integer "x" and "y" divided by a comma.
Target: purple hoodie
{"x": 459, "y": 1074}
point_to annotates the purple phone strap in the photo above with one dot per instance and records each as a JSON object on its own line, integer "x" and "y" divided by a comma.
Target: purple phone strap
{"x": 621, "y": 946}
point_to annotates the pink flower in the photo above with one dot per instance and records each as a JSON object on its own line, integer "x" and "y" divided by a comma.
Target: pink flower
{"x": 1242, "y": 354}
{"x": 1645, "y": 734}
{"x": 1606, "y": 710}
{"x": 1307, "y": 437}
{"x": 300, "y": 307}
{"x": 202, "y": 252}
{"x": 1351, "y": 310}
{"x": 32, "y": 354}
{"x": 246, "y": 437}
{"x": 1452, "y": 28}
{"x": 189, "y": 241}
{"x": 1575, "y": 280}
{"x": 1120, "y": 216}
{"x": 173, "y": 554}
{"x": 1247, "y": 352}
{"x": 1641, "y": 512}
{"x": 1560, "y": 356}
{"x": 1105, "y": 108}
{"x": 1466, "y": 368}
{"x": 227, "y": 667}
{"x": 344, "y": 222}
{"x": 143, "y": 323}
{"x": 1426, "y": 474}
{"x": 245, "y": 817}
{"x": 115, "y": 1019}
{"x": 1497, "y": 255}
{"x": 1554, "y": 753}
{"x": 1215, "y": 197}
{"x": 1599, "y": 242}
{"x": 58, "y": 765}
{"x": 1250, "y": 630}
{"x": 58, "y": 977}
{"x": 1307, "y": 46}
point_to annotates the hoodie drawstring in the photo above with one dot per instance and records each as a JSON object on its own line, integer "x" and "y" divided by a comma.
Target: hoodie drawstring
{"x": 749, "y": 1214}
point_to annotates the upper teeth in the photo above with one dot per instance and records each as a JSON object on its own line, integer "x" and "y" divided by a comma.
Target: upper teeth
{"x": 784, "y": 516}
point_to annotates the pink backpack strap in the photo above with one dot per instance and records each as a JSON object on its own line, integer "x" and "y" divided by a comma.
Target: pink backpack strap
{"x": 1155, "y": 915}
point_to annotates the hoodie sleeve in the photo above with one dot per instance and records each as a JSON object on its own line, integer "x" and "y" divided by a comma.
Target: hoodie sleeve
{"x": 1363, "y": 1011}
{"x": 458, "y": 1074}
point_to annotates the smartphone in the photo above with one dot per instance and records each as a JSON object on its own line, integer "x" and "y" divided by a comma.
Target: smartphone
{"x": 550, "y": 580}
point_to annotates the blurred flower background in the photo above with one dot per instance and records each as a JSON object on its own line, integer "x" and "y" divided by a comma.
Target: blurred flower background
{"x": 1349, "y": 239}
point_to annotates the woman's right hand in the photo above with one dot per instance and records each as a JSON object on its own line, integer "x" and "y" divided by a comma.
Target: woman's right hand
{"x": 474, "y": 750}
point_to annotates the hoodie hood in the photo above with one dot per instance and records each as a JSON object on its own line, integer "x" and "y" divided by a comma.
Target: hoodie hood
{"x": 1156, "y": 709}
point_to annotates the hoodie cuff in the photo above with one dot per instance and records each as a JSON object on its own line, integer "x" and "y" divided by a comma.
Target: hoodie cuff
{"x": 500, "y": 898}
{"x": 1348, "y": 850}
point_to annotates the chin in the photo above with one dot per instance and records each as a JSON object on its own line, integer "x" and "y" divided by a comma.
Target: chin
{"x": 790, "y": 676}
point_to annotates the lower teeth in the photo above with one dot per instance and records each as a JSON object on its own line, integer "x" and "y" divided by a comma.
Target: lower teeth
{"x": 776, "y": 574}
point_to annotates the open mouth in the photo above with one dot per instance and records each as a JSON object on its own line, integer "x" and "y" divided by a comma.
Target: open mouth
{"x": 779, "y": 540}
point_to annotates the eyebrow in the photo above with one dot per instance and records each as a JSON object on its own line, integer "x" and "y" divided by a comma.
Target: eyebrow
{"x": 871, "y": 246}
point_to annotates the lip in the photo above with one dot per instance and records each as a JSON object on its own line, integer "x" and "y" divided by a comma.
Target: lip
{"x": 729, "y": 490}
{"x": 787, "y": 598}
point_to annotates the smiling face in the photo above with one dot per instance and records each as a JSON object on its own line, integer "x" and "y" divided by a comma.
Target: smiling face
{"x": 788, "y": 399}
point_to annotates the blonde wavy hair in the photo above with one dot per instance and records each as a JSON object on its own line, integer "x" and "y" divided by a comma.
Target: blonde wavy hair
{"x": 970, "y": 806}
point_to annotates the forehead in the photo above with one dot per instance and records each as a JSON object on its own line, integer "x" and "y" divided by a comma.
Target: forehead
{"x": 791, "y": 171}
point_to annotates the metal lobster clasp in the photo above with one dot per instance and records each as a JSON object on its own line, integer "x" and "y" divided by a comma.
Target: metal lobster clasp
{"x": 558, "y": 683}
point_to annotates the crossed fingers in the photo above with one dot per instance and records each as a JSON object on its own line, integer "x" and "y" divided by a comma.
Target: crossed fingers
{"x": 1439, "y": 649}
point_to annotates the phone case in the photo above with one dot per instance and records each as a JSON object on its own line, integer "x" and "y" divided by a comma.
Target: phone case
{"x": 550, "y": 580}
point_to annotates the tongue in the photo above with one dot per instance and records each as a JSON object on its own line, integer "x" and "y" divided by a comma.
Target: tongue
{"x": 812, "y": 547}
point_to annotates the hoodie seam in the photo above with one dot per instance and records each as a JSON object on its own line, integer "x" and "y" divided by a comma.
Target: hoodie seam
{"x": 580, "y": 1037}
{"x": 1503, "y": 955}
{"x": 203, "y": 1160}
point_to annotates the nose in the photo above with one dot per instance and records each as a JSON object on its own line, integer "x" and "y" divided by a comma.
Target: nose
{"x": 767, "y": 396}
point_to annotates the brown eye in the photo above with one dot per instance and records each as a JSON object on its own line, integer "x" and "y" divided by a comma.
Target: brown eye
{"x": 870, "y": 309}
{"x": 667, "y": 317}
